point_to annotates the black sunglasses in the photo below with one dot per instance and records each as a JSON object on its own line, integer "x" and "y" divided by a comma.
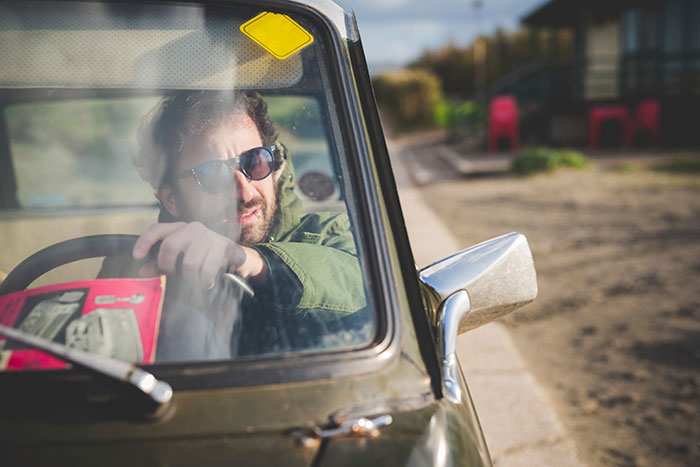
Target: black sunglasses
{"x": 217, "y": 176}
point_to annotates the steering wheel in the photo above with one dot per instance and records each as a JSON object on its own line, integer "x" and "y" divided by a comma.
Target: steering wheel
{"x": 91, "y": 246}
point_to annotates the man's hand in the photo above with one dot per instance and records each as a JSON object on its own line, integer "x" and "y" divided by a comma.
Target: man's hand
{"x": 203, "y": 252}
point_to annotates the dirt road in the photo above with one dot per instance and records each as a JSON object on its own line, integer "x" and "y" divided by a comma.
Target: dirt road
{"x": 614, "y": 335}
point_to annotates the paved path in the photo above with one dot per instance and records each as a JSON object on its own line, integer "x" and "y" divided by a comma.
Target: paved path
{"x": 519, "y": 424}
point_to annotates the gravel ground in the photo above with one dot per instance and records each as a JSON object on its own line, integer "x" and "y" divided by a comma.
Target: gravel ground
{"x": 614, "y": 335}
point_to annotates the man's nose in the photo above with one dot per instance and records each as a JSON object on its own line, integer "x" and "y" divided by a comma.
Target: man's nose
{"x": 245, "y": 189}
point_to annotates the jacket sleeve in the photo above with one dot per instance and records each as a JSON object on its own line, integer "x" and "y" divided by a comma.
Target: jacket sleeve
{"x": 321, "y": 256}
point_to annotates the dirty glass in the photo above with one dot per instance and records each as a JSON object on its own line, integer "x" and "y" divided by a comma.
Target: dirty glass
{"x": 199, "y": 145}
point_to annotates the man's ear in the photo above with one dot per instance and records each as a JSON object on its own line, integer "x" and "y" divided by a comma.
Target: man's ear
{"x": 167, "y": 199}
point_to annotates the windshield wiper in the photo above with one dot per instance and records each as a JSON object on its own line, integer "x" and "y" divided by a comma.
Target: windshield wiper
{"x": 159, "y": 392}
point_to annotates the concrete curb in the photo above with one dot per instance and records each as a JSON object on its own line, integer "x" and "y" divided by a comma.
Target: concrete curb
{"x": 520, "y": 426}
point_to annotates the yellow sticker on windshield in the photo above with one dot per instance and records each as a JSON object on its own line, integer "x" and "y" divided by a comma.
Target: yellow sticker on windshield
{"x": 278, "y": 34}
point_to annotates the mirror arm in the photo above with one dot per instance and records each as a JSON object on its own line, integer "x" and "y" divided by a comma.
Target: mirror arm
{"x": 451, "y": 312}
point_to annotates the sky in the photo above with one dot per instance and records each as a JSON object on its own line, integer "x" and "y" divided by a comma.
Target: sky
{"x": 394, "y": 32}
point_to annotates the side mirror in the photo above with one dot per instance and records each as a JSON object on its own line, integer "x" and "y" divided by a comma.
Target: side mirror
{"x": 474, "y": 287}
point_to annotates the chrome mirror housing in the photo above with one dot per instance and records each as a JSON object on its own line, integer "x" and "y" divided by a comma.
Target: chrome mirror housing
{"x": 474, "y": 287}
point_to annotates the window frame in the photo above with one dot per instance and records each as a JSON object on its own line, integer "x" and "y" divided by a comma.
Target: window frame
{"x": 348, "y": 128}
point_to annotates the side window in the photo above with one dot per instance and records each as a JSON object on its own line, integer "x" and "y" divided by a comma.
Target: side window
{"x": 77, "y": 153}
{"x": 303, "y": 131}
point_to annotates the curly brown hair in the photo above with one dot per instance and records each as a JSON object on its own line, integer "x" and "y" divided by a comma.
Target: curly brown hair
{"x": 184, "y": 114}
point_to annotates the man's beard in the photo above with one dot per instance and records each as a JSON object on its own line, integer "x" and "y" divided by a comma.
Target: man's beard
{"x": 257, "y": 233}
{"x": 243, "y": 235}
{"x": 252, "y": 234}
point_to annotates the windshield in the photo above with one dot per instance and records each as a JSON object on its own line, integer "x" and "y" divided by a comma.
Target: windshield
{"x": 174, "y": 187}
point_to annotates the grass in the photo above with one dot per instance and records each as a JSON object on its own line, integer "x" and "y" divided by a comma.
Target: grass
{"x": 534, "y": 160}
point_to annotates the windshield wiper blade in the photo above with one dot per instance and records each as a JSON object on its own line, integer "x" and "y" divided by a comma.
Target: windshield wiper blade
{"x": 159, "y": 392}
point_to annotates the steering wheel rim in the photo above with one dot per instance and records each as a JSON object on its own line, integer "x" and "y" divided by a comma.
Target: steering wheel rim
{"x": 68, "y": 251}
{"x": 76, "y": 249}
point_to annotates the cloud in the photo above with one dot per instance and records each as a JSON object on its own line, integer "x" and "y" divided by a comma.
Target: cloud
{"x": 397, "y": 44}
{"x": 445, "y": 10}
{"x": 395, "y": 32}
{"x": 379, "y": 5}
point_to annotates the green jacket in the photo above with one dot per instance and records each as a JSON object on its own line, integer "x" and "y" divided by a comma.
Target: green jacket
{"x": 316, "y": 251}
{"x": 316, "y": 291}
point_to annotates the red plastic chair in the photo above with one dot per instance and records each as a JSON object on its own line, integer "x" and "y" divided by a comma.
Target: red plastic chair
{"x": 598, "y": 114}
{"x": 647, "y": 119}
{"x": 503, "y": 122}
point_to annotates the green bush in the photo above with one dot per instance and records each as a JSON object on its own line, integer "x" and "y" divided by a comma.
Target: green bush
{"x": 572, "y": 159}
{"x": 410, "y": 97}
{"x": 470, "y": 113}
{"x": 459, "y": 114}
{"x": 443, "y": 114}
{"x": 532, "y": 160}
